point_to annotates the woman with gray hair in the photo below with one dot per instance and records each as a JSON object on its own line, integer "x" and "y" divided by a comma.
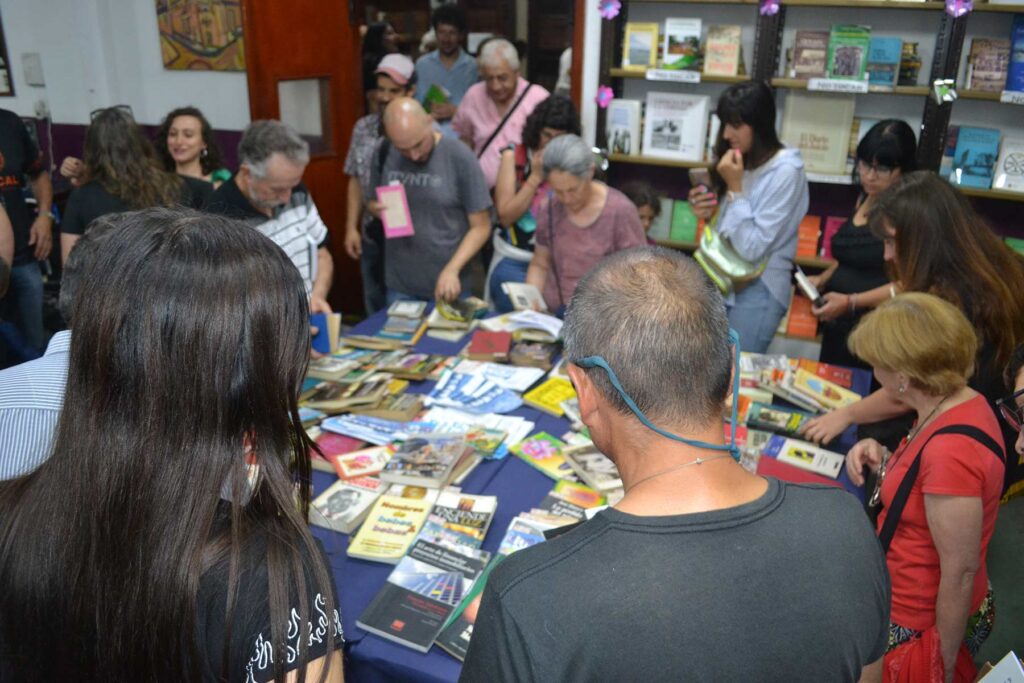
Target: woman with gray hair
{"x": 581, "y": 221}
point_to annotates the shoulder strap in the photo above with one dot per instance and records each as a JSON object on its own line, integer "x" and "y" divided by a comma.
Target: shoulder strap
{"x": 899, "y": 501}
{"x": 382, "y": 155}
{"x": 501, "y": 125}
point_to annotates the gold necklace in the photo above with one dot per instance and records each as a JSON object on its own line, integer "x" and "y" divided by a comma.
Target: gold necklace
{"x": 698, "y": 461}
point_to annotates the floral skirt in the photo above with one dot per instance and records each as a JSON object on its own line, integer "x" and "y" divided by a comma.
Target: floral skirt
{"x": 979, "y": 626}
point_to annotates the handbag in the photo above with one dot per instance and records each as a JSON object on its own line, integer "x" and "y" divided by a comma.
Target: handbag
{"x": 726, "y": 268}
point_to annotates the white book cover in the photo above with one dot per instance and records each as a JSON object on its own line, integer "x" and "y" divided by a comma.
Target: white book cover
{"x": 344, "y": 505}
{"x": 819, "y": 125}
{"x": 681, "y": 46}
{"x": 622, "y": 126}
{"x": 676, "y": 126}
{"x": 525, "y": 297}
{"x": 513, "y": 377}
{"x": 806, "y": 456}
{"x": 1009, "y": 173}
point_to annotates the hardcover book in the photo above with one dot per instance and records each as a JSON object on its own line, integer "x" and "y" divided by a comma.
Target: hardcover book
{"x": 1009, "y": 173}
{"x": 489, "y": 346}
{"x": 808, "y": 235}
{"x": 722, "y": 50}
{"x": 848, "y": 46}
{"x": 682, "y": 44}
{"x": 805, "y": 455}
{"x": 675, "y": 125}
{"x": 988, "y": 64}
{"x": 819, "y": 126}
{"x": 548, "y": 396}
{"x": 391, "y": 526}
{"x": 778, "y": 419}
{"x": 345, "y": 504}
{"x": 685, "y": 225}
{"x": 533, "y": 354}
{"x": 640, "y": 46}
{"x": 802, "y": 322}
{"x": 459, "y": 519}
{"x": 426, "y": 460}
{"x": 977, "y": 150}
{"x": 1015, "y": 69}
{"x": 421, "y": 593}
{"x": 363, "y": 463}
{"x": 884, "y": 61}
{"x": 544, "y": 452}
{"x": 661, "y": 226}
{"x": 622, "y": 130}
{"x": 593, "y": 467}
{"x": 328, "y": 327}
{"x": 810, "y": 54}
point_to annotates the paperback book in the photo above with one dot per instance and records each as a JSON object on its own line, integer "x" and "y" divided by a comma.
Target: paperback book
{"x": 458, "y": 630}
{"x": 805, "y": 455}
{"x": 828, "y": 394}
{"x": 1015, "y": 68}
{"x": 544, "y": 452}
{"x": 362, "y": 463}
{"x": 682, "y": 44}
{"x": 778, "y": 419}
{"x": 819, "y": 126}
{"x": 400, "y": 408}
{"x": 533, "y": 354}
{"x": 549, "y": 395}
{"x": 426, "y": 460}
{"x": 988, "y": 64}
{"x": 593, "y": 467}
{"x": 485, "y": 345}
{"x": 345, "y": 504}
{"x": 640, "y": 46}
{"x": 848, "y": 46}
{"x": 525, "y": 297}
{"x": 622, "y": 130}
{"x": 459, "y": 519}
{"x": 884, "y": 61}
{"x": 722, "y": 50}
{"x": 810, "y": 54}
{"x": 977, "y": 150}
{"x": 392, "y": 525}
{"x": 1009, "y": 174}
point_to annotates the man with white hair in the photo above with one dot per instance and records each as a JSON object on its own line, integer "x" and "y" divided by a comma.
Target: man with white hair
{"x": 268, "y": 194}
{"x": 493, "y": 112}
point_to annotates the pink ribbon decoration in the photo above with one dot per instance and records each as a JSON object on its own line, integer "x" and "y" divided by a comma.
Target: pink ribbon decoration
{"x": 604, "y": 96}
{"x": 609, "y": 9}
{"x": 769, "y": 8}
{"x": 958, "y": 8}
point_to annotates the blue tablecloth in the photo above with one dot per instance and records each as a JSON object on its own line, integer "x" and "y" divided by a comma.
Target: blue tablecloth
{"x": 518, "y": 486}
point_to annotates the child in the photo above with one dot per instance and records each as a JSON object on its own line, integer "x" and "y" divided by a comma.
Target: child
{"x": 647, "y": 202}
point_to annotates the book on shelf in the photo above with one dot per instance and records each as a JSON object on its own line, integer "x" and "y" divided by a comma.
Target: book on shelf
{"x": 685, "y": 226}
{"x": 392, "y": 524}
{"x": 548, "y": 396}
{"x": 345, "y": 504}
{"x": 832, "y": 225}
{"x": 858, "y": 129}
{"x": 848, "y": 46}
{"x": 977, "y": 150}
{"x": 777, "y": 419}
{"x": 421, "y": 593}
{"x": 1015, "y": 67}
{"x": 681, "y": 48}
{"x": 949, "y": 153}
{"x": 640, "y": 46}
{"x": 533, "y": 354}
{"x": 622, "y": 127}
{"x": 426, "y": 460}
{"x": 661, "y": 226}
{"x": 544, "y": 452}
{"x": 365, "y": 462}
{"x": 714, "y": 125}
{"x": 485, "y": 345}
{"x": 810, "y": 54}
{"x": 675, "y": 125}
{"x": 593, "y": 467}
{"x": 459, "y": 519}
{"x": 526, "y": 297}
{"x": 805, "y": 455}
{"x": 802, "y": 322}
{"x": 722, "y": 50}
{"x": 1009, "y": 174}
{"x": 987, "y": 64}
{"x": 808, "y": 236}
{"x": 883, "y": 65}
{"x": 819, "y": 126}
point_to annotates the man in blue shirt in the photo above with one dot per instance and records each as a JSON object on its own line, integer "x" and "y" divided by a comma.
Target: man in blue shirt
{"x": 32, "y": 394}
{"x": 449, "y": 67}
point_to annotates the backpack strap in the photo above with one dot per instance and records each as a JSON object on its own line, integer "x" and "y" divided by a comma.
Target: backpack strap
{"x": 501, "y": 125}
{"x": 899, "y": 501}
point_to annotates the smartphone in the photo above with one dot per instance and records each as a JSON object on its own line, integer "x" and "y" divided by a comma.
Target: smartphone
{"x": 809, "y": 290}
{"x": 700, "y": 177}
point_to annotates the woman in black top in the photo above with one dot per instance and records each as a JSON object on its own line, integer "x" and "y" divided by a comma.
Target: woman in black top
{"x": 858, "y": 280}
{"x": 120, "y": 171}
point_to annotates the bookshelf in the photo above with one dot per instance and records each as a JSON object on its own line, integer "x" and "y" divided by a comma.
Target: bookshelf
{"x": 1003, "y": 195}
{"x": 906, "y": 90}
{"x": 654, "y": 161}
{"x": 809, "y": 262}
{"x": 704, "y": 78}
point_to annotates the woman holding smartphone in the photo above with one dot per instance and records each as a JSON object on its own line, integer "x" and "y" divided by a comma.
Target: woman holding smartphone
{"x": 763, "y": 190}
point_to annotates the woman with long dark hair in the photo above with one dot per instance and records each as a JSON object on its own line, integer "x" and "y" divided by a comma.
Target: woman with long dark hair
{"x": 378, "y": 40}
{"x": 186, "y": 145}
{"x": 857, "y": 280}
{"x": 120, "y": 171}
{"x": 763, "y": 190}
{"x": 162, "y": 539}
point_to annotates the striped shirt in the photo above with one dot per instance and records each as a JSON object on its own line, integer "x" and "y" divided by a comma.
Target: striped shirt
{"x": 31, "y": 397}
{"x": 296, "y": 227}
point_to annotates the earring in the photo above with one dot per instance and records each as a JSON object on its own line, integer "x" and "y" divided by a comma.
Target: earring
{"x": 204, "y": 153}
{"x": 903, "y": 388}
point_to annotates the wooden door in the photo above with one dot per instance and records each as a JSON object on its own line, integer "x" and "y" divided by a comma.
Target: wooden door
{"x": 302, "y": 58}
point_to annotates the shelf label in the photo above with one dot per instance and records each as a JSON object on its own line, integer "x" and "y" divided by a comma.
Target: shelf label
{"x": 675, "y": 75}
{"x": 1012, "y": 97}
{"x": 836, "y": 85}
{"x": 830, "y": 178}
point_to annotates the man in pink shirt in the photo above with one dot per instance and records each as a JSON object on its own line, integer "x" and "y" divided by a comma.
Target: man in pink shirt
{"x": 481, "y": 118}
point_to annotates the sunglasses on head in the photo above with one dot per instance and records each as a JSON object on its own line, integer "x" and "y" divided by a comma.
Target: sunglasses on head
{"x": 123, "y": 108}
{"x": 1011, "y": 411}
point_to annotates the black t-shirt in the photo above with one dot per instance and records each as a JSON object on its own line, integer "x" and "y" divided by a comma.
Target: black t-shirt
{"x": 790, "y": 587}
{"x": 20, "y": 159}
{"x": 92, "y": 200}
{"x": 251, "y": 649}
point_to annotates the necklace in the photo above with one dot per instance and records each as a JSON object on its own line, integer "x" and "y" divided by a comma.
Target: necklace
{"x": 698, "y": 461}
{"x": 877, "y": 493}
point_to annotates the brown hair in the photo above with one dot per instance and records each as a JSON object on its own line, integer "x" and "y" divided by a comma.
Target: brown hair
{"x": 944, "y": 247}
{"x": 922, "y": 336}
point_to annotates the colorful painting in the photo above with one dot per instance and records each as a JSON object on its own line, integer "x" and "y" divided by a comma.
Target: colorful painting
{"x": 202, "y": 35}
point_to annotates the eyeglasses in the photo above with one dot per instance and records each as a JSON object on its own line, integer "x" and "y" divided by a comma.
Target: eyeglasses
{"x": 123, "y": 108}
{"x": 1011, "y": 411}
{"x": 879, "y": 170}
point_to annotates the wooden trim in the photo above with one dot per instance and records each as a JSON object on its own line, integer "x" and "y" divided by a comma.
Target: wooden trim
{"x": 576, "y": 71}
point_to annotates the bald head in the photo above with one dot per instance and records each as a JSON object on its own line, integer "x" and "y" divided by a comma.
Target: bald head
{"x": 409, "y": 128}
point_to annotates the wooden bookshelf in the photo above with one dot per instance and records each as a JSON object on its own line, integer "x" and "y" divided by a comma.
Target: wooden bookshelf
{"x": 904, "y": 90}
{"x": 1005, "y": 195}
{"x": 704, "y": 78}
{"x": 655, "y": 161}
{"x": 978, "y": 95}
{"x": 812, "y": 262}
{"x": 868, "y": 4}
{"x": 987, "y": 7}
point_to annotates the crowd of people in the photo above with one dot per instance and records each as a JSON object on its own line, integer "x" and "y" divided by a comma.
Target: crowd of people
{"x": 150, "y": 456}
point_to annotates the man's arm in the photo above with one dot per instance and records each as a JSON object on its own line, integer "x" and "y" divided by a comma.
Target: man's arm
{"x": 41, "y": 232}
{"x": 6, "y": 250}
{"x": 448, "y": 286}
{"x": 540, "y": 266}
{"x": 354, "y": 209}
{"x": 322, "y": 284}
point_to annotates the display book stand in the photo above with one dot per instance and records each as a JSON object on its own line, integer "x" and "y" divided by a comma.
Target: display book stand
{"x": 764, "y": 64}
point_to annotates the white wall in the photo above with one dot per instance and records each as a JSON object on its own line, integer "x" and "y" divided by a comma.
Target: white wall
{"x": 97, "y": 53}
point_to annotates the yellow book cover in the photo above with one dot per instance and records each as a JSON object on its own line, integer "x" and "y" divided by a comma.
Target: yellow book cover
{"x": 829, "y": 394}
{"x": 390, "y": 528}
{"x": 548, "y": 396}
{"x": 640, "y": 46}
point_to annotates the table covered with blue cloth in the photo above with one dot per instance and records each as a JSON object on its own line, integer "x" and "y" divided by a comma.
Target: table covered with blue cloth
{"x": 518, "y": 487}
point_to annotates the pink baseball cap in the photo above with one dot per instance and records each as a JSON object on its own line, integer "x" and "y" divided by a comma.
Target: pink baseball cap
{"x": 397, "y": 67}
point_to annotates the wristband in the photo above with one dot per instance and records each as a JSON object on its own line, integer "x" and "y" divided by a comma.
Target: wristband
{"x": 892, "y": 291}
{"x": 852, "y": 302}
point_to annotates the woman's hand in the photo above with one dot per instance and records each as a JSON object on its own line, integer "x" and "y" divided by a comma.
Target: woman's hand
{"x": 865, "y": 453}
{"x": 836, "y": 304}
{"x": 730, "y": 167}
{"x": 826, "y": 427}
{"x": 702, "y": 202}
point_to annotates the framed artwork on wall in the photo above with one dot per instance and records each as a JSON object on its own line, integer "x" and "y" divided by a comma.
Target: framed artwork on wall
{"x": 6, "y": 82}
{"x": 201, "y": 35}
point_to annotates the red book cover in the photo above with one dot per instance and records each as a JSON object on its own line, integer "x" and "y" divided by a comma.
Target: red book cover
{"x": 833, "y": 373}
{"x": 802, "y": 322}
{"x": 333, "y": 444}
{"x": 489, "y": 346}
{"x": 808, "y": 235}
{"x": 768, "y": 466}
{"x": 832, "y": 225}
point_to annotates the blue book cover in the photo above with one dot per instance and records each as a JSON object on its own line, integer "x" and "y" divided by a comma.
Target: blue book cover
{"x": 322, "y": 340}
{"x": 976, "y": 152}
{"x": 1015, "y": 72}
{"x": 884, "y": 60}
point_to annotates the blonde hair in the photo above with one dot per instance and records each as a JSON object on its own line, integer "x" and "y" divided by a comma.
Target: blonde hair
{"x": 922, "y": 336}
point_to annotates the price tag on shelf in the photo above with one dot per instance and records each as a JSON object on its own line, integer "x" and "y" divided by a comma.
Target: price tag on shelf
{"x": 837, "y": 85}
{"x": 830, "y": 178}
{"x": 1012, "y": 97}
{"x": 675, "y": 75}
